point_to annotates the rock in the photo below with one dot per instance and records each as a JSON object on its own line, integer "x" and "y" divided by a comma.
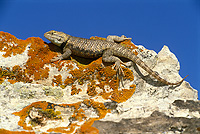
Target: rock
{"x": 79, "y": 95}
{"x": 157, "y": 123}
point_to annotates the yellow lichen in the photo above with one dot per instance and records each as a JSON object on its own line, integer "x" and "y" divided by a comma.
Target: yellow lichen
{"x": 97, "y": 38}
{"x": 51, "y": 114}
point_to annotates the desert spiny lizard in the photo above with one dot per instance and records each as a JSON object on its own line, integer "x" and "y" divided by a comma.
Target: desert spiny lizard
{"x": 109, "y": 50}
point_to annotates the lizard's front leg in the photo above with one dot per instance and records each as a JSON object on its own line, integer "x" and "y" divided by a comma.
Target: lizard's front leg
{"x": 65, "y": 55}
{"x": 109, "y": 57}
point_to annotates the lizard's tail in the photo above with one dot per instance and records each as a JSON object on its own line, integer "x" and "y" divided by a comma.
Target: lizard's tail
{"x": 139, "y": 62}
{"x": 155, "y": 74}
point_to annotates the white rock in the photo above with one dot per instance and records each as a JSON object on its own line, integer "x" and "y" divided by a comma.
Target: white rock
{"x": 147, "y": 98}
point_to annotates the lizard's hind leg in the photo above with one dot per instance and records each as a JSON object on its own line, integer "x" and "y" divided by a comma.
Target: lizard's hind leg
{"x": 109, "y": 57}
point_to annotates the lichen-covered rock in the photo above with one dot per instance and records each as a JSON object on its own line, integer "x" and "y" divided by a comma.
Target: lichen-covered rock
{"x": 70, "y": 95}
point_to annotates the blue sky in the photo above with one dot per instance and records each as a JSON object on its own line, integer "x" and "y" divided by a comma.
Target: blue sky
{"x": 151, "y": 23}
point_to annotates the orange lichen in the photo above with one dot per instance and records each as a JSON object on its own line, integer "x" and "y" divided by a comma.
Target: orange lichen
{"x": 65, "y": 130}
{"x": 12, "y": 81}
{"x": 1, "y": 80}
{"x": 39, "y": 54}
{"x": 87, "y": 128}
{"x": 68, "y": 81}
{"x": 11, "y": 45}
{"x": 130, "y": 45}
{"x": 47, "y": 109}
{"x": 124, "y": 95}
{"x": 93, "y": 73}
{"x": 24, "y": 113}
{"x": 58, "y": 80}
{"x": 69, "y": 66}
{"x": 91, "y": 91}
{"x": 104, "y": 75}
{"x": 74, "y": 90}
{"x": 128, "y": 74}
{"x": 4, "y": 131}
{"x": 102, "y": 111}
{"x": 79, "y": 115}
{"x": 14, "y": 75}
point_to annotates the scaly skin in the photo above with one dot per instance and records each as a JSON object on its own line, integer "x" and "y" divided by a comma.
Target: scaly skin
{"x": 109, "y": 50}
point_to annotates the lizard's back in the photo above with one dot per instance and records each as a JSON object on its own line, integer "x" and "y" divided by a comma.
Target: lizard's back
{"x": 89, "y": 48}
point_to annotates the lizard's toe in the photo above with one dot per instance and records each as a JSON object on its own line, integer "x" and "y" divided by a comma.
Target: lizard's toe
{"x": 102, "y": 65}
{"x": 120, "y": 72}
{"x": 118, "y": 68}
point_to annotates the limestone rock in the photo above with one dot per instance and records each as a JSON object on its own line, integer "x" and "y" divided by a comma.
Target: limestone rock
{"x": 80, "y": 95}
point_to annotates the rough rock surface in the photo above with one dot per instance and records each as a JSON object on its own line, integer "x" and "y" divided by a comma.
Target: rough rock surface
{"x": 157, "y": 122}
{"x": 80, "y": 95}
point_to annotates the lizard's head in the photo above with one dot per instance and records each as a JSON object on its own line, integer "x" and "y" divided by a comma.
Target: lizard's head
{"x": 56, "y": 37}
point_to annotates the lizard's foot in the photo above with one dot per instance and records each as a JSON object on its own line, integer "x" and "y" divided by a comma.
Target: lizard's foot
{"x": 56, "y": 59}
{"x": 114, "y": 38}
{"x": 125, "y": 38}
{"x": 118, "y": 68}
{"x": 120, "y": 72}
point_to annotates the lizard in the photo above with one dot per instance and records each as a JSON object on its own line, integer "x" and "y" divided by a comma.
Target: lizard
{"x": 109, "y": 49}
